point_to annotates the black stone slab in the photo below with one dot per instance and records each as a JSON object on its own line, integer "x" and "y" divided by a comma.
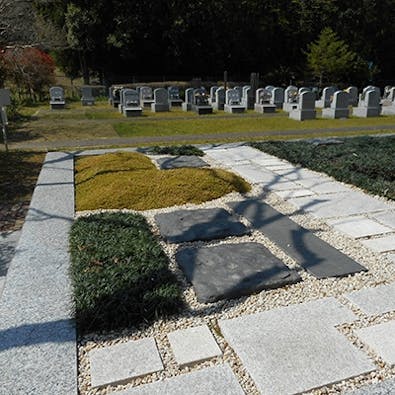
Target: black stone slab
{"x": 181, "y": 161}
{"x": 312, "y": 253}
{"x": 203, "y": 224}
{"x": 231, "y": 270}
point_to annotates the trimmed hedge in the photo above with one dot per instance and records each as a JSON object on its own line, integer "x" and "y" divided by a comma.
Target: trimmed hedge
{"x": 176, "y": 150}
{"x": 120, "y": 273}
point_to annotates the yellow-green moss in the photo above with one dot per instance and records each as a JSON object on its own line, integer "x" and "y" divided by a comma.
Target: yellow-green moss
{"x": 130, "y": 180}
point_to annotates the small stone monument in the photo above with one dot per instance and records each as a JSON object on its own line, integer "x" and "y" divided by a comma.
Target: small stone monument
{"x": 339, "y": 106}
{"x": 212, "y": 99}
{"x": 306, "y": 107}
{"x": 116, "y": 96}
{"x": 369, "y": 105}
{"x": 87, "y": 98}
{"x": 303, "y": 89}
{"x": 161, "y": 100}
{"x": 219, "y": 99}
{"x": 326, "y": 97}
{"x": 353, "y": 95}
{"x": 5, "y": 100}
{"x": 145, "y": 94}
{"x": 388, "y": 107}
{"x": 131, "y": 103}
{"x": 263, "y": 101}
{"x": 239, "y": 91}
{"x": 120, "y": 103}
{"x": 233, "y": 102}
{"x": 277, "y": 98}
{"x": 290, "y": 98}
{"x": 174, "y": 96}
{"x": 187, "y": 105}
{"x": 200, "y": 102}
{"x": 57, "y": 100}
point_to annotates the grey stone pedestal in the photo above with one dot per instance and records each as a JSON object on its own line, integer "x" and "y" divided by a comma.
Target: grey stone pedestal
{"x": 234, "y": 109}
{"x": 202, "y": 110}
{"x": 302, "y": 115}
{"x": 132, "y": 111}
{"x": 160, "y": 107}
{"x": 264, "y": 108}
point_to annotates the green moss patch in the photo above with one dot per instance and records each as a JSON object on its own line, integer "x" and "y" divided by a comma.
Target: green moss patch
{"x": 119, "y": 272}
{"x": 367, "y": 162}
{"x": 130, "y": 180}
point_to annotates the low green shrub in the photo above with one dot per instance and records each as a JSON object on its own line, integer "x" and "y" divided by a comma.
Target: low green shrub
{"x": 119, "y": 272}
{"x": 176, "y": 150}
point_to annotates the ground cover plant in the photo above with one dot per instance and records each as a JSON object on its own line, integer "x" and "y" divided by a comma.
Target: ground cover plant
{"x": 119, "y": 272}
{"x": 175, "y": 150}
{"x": 367, "y": 162}
{"x": 131, "y": 180}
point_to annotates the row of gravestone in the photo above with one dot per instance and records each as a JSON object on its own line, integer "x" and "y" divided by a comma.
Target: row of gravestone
{"x": 57, "y": 99}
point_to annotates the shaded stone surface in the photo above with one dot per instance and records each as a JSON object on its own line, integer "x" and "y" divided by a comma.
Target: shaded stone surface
{"x": 386, "y": 387}
{"x": 123, "y": 361}
{"x": 380, "y": 338}
{"x": 8, "y": 243}
{"x": 193, "y": 345}
{"x": 378, "y": 300}
{"x": 181, "y": 161}
{"x": 381, "y": 244}
{"x": 296, "y": 348}
{"x": 202, "y": 224}
{"x": 217, "y": 380}
{"x": 232, "y": 270}
{"x": 312, "y": 253}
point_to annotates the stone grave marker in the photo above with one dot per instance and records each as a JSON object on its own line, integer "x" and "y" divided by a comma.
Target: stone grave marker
{"x": 181, "y": 161}
{"x": 174, "y": 96}
{"x": 388, "y": 107}
{"x": 161, "y": 100}
{"x": 369, "y": 105}
{"x": 306, "y": 107}
{"x": 131, "y": 103}
{"x": 263, "y": 101}
{"x": 353, "y": 92}
{"x": 219, "y": 98}
{"x": 290, "y": 98}
{"x": 87, "y": 98}
{"x": 326, "y": 97}
{"x": 212, "y": 97}
{"x": 200, "y": 102}
{"x": 277, "y": 98}
{"x": 239, "y": 91}
{"x": 57, "y": 100}
{"x": 233, "y": 102}
{"x": 145, "y": 94}
{"x": 339, "y": 106}
{"x": 187, "y": 105}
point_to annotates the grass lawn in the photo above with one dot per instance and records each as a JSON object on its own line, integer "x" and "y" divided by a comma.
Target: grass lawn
{"x": 367, "y": 162}
{"x": 130, "y": 180}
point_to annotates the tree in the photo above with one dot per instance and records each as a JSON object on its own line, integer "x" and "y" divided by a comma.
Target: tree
{"x": 330, "y": 58}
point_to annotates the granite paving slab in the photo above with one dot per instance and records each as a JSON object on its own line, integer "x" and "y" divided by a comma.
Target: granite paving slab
{"x": 294, "y": 193}
{"x": 202, "y": 224}
{"x": 282, "y": 185}
{"x": 232, "y": 270}
{"x": 193, "y": 345}
{"x": 296, "y": 348}
{"x": 312, "y": 253}
{"x": 359, "y": 226}
{"x": 339, "y": 204}
{"x": 255, "y": 174}
{"x": 8, "y": 243}
{"x": 377, "y": 300}
{"x": 386, "y": 387}
{"x": 181, "y": 161}
{"x": 381, "y": 339}
{"x": 387, "y": 218}
{"x": 298, "y": 173}
{"x": 124, "y": 361}
{"x": 37, "y": 330}
{"x": 381, "y": 244}
{"x": 323, "y": 185}
{"x": 215, "y": 380}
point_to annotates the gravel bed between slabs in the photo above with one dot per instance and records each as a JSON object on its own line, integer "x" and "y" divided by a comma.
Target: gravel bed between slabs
{"x": 380, "y": 271}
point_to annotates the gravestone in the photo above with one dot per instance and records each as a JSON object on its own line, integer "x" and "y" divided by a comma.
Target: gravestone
{"x": 5, "y": 100}
{"x": 239, "y": 91}
{"x": 339, "y": 106}
{"x": 290, "y": 98}
{"x": 145, "y": 94}
{"x": 200, "y": 102}
{"x": 187, "y": 105}
{"x": 303, "y": 89}
{"x": 57, "y": 100}
{"x": 233, "y": 102}
{"x": 87, "y": 98}
{"x": 212, "y": 97}
{"x": 369, "y": 105}
{"x": 277, "y": 98}
{"x": 174, "y": 96}
{"x": 219, "y": 99}
{"x": 269, "y": 87}
{"x": 306, "y": 107}
{"x": 120, "y": 103}
{"x": 353, "y": 92}
{"x": 181, "y": 161}
{"x": 245, "y": 101}
{"x": 116, "y": 96}
{"x": 161, "y": 100}
{"x": 326, "y": 98}
{"x": 263, "y": 101}
{"x": 131, "y": 103}
{"x": 388, "y": 107}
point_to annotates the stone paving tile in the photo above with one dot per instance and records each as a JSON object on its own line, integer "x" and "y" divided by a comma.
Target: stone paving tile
{"x": 386, "y": 387}
{"x": 193, "y": 345}
{"x": 381, "y": 339}
{"x": 387, "y": 218}
{"x": 37, "y": 330}
{"x": 339, "y": 205}
{"x": 118, "y": 363}
{"x": 255, "y": 174}
{"x": 294, "y": 193}
{"x": 328, "y": 187}
{"x": 378, "y": 300}
{"x": 279, "y": 166}
{"x": 381, "y": 244}
{"x": 312, "y": 253}
{"x": 298, "y": 174}
{"x": 217, "y": 380}
{"x": 296, "y": 348}
{"x": 232, "y": 270}
{"x": 201, "y": 224}
{"x": 359, "y": 226}
{"x": 181, "y": 161}
{"x": 282, "y": 185}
